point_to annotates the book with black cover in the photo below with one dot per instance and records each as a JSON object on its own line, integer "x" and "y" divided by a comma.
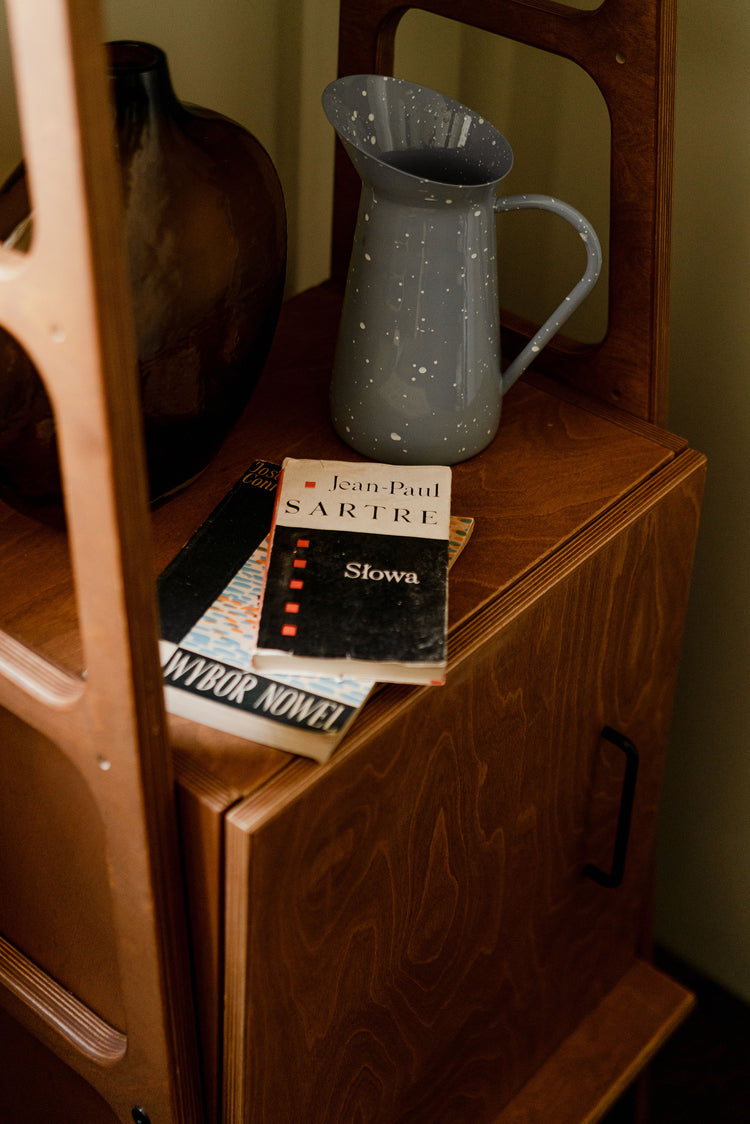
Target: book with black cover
{"x": 209, "y": 597}
{"x": 199, "y": 572}
{"x": 356, "y": 582}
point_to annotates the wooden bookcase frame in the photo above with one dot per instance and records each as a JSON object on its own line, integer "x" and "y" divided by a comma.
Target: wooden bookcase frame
{"x": 67, "y": 302}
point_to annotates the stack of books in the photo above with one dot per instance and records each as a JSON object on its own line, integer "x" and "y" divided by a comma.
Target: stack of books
{"x": 309, "y": 584}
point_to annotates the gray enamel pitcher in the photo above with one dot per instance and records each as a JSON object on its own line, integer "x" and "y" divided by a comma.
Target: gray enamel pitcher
{"x": 417, "y": 376}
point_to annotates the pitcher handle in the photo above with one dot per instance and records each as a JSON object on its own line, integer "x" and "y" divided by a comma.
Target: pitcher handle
{"x": 575, "y": 296}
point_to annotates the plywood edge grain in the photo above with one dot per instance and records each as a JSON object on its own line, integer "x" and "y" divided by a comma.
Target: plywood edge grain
{"x": 236, "y": 950}
{"x": 217, "y": 768}
{"x": 594, "y": 1065}
{"x": 44, "y": 1001}
{"x": 201, "y": 783}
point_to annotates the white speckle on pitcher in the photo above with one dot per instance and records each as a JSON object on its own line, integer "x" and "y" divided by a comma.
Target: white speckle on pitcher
{"x": 395, "y": 437}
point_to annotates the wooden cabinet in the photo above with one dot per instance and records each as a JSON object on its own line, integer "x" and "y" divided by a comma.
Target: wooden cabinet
{"x": 406, "y": 933}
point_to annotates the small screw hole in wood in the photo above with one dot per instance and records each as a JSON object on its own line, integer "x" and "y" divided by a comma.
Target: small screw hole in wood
{"x": 57, "y": 333}
{"x": 103, "y": 764}
{"x": 620, "y": 57}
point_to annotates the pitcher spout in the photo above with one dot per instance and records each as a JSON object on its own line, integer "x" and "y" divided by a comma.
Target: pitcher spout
{"x": 392, "y": 128}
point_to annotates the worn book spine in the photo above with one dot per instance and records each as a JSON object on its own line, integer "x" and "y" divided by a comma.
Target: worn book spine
{"x": 209, "y": 598}
{"x": 201, "y": 570}
{"x": 357, "y": 574}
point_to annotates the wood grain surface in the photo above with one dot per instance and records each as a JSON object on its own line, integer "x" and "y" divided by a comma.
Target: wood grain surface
{"x": 559, "y": 472}
{"x": 409, "y": 933}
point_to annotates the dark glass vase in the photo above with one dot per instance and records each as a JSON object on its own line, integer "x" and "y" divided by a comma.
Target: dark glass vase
{"x": 206, "y": 240}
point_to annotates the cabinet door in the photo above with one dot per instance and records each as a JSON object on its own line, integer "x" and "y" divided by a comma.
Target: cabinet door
{"x": 409, "y": 930}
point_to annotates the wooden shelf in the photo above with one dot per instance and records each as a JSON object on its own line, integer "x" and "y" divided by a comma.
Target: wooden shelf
{"x": 581, "y": 1081}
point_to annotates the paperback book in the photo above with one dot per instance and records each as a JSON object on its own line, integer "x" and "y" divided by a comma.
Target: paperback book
{"x": 357, "y": 575}
{"x": 209, "y": 599}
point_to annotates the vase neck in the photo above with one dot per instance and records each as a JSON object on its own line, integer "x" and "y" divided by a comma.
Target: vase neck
{"x": 145, "y": 102}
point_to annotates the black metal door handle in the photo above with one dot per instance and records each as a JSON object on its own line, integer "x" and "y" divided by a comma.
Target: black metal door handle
{"x": 615, "y": 875}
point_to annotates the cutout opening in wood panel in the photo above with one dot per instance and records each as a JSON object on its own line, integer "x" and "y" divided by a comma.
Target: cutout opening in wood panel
{"x": 15, "y": 209}
{"x": 557, "y": 124}
{"x": 38, "y": 603}
{"x": 38, "y": 606}
{"x": 29, "y": 471}
{"x": 55, "y": 896}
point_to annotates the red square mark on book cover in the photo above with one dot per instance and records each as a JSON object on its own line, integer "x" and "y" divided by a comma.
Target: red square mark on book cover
{"x": 299, "y": 563}
{"x": 309, "y": 483}
{"x": 289, "y": 630}
{"x": 295, "y": 583}
{"x": 302, "y": 543}
{"x": 291, "y": 607}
